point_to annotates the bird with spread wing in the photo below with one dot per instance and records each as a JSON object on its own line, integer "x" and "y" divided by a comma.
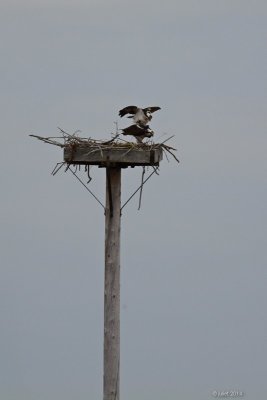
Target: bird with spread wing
{"x": 141, "y": 117}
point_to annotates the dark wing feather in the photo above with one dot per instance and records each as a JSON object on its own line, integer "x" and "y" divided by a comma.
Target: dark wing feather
{"x": 138, "y": 132}
{"x": 134, "y": 130}
{"x": 128, "y": 110}
{"x": 152, "y": 109}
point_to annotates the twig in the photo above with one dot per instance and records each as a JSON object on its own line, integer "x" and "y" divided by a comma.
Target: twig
{"x": 169, "y": 151}
{"x": 165, "y": 153}
{"x": 155, "y": 170}
{"x": 47, "y": 140}
{"x": 55, "y": 170}
{"x": 76, "y": 176}
{"x": 167, "y": 139}
{"x": 141, "y": 189}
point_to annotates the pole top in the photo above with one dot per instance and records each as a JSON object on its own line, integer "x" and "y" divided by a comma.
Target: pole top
{"x": 118, "y": 155}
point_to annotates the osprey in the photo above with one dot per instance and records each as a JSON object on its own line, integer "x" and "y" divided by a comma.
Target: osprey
{"x": 139, "y": 132}
{"x": 141, "y": 116}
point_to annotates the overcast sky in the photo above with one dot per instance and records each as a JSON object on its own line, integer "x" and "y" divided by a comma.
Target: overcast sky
{"x": 193, "y": 263}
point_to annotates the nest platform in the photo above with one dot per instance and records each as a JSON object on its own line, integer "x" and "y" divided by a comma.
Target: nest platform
{"x": 113, "y": 154}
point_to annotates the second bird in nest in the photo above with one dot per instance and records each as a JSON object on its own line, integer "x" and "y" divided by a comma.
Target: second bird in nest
{"x": 139, "y": 132}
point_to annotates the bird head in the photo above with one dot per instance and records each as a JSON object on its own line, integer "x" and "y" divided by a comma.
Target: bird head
{"x": 148, "y": 114}
{"x": 149, "y": 132}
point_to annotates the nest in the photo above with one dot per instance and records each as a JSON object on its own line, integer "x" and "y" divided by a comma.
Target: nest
{"x": 72, "y": 141}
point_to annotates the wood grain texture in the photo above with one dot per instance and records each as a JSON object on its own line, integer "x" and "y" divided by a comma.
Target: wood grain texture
{"x": 112, "y": 285}
{"x": 113, "y": 157}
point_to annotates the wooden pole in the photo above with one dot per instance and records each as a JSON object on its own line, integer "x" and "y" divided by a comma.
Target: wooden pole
{"x": 112, "y": 285}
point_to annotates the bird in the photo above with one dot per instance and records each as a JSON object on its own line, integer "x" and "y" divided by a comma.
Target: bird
{"x": 139, "y": 132}
{"x": 141, "y": 116}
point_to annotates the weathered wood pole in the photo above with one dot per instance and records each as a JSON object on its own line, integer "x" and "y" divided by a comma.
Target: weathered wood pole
{"x": 111, "y": 383}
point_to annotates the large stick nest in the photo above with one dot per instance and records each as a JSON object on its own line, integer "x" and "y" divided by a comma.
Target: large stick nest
{"x": 72, "y": 141}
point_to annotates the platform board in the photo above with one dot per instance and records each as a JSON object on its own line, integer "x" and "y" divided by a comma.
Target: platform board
{"x": 116, "y": 157}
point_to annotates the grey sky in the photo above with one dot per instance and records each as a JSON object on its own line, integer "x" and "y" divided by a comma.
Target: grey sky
{"x": 193, "y": 316}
